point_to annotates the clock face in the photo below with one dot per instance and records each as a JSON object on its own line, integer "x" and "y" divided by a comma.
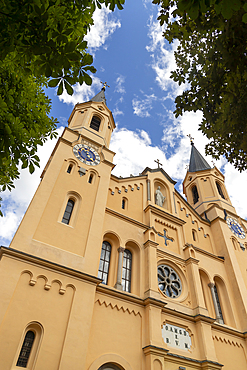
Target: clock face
{"x": 235, "y": 228}
{"x": 86, "y": 154}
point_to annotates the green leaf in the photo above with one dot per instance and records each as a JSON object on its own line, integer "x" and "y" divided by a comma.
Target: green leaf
{"x": 31, "y": 168}
{"x": 68, "y": 88}
{"x": 87, "y": 79}
{"x": 244, "y": 18}
{"x": 54, "y": 82}
{"x": 81, "y": 79}
{"x": 60, "y": 88}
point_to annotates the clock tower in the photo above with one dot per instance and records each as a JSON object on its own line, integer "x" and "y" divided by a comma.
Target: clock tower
{"x": 57, "y": 226}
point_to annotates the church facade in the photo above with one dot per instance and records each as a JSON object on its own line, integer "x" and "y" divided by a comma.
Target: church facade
{"x": 115, "y": 273}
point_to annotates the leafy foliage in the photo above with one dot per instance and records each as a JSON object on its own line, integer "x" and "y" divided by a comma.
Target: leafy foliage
{"x": 25, "y": 124}
{"x": 42, "y": 44}
{"x": 46, "y": 38}
{"x": 211, "y": 58}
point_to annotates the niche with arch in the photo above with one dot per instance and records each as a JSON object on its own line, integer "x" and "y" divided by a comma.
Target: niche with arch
{"x": 162, "y": 195}
{"x": 208, "y": 301}
{"x": 225, "y": 302}
{"x": 235, "y": 244}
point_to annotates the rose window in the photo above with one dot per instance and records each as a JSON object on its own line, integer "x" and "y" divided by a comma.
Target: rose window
{"x": 169, "y": 282}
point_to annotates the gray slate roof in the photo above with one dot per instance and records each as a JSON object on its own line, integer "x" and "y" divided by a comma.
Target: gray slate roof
{"x": 100, "y": 96}
{"x": 197, "y": 162}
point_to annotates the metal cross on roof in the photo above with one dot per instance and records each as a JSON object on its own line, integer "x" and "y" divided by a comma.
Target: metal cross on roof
{"x": 104, "y": 85}
{"x": 158, "y": 162}
{"x": 191, "y": 139}
{"x": 165, "y": 237}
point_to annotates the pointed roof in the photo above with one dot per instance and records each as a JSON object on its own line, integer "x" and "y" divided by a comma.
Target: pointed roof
{"x": 197, "y": 162}
{"x": 100, "y": 96}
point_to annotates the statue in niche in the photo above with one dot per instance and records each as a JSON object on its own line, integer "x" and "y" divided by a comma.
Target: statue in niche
{"x": 159, "y": 197}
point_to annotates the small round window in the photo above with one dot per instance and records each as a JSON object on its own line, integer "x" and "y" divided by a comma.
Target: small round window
{"x": 169, "y": 282}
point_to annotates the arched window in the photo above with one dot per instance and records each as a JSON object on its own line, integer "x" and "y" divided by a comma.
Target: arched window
{"x": 95, "y": 123}
{"x": 109, "y": 367}
{"x": 123, "y": 203}
{"x": 194, "y": 235}
{"x": 104, "y": 262}
{"x": 68, "y": 211}
{"x": 220, "y": 190}
{"x": 195, "y": 194}
{"x": 69, "y": 168}
{"x": 26, "y": 349}
{"x": 126, "y": 270}
{"x": 90, "y": 180}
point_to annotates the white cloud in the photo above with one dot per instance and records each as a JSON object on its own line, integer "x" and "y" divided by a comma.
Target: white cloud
{"x": 142, "y": 107}
{"x": 119, "y": 85}
{"x": 163, "y": 60}
{"x": 16, "y": 202}
{"x": 105, "y": 23}
{"x": 117, "y": 112}
{"x": 82, "y": 93}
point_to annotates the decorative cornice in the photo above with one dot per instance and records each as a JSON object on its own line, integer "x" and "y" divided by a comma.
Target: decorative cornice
{"x": 211, "y": 255}
{"x": 203, "y": 363}
{"x": 159, "y": 351}
{"x": 164, "y": 214}
{"x": 108, "y": 163}
{"x": 153, "y": 350}
{"x": 228, "y": 330}
{"x": 193, "y": 318}
{"x": 122, "y": 179}
{"x": 127, "y": 219}
{"x": 154, "y": 302}
{"x": 149, "y": 243}
{"x": 111, "y": 292}
{"x": 13, "y": 253}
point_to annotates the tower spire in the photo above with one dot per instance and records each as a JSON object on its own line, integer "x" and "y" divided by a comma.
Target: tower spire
{"x": 197, "y": 162}
{"x": 101, "y": 95}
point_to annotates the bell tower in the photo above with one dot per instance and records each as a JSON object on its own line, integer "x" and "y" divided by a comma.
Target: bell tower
{"x": 204, "y": 186}
{"x": 63, "y": 223}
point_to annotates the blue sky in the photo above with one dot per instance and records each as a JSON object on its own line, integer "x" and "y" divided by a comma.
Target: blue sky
{"x": 131, "y": 55}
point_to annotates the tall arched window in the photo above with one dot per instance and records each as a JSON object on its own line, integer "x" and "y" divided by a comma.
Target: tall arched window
{"x": 220, "y": 190}
{"x": 195, "y": 194}
{"x": 218, "y": 303}
{"x": 90, "y": 180}
{"x": 26, "y": 349}
{"x": 95, "y": 123}
{"x": 104, "y": 262}
{"x": 68, "y": 211}
{"x": 126, "y": 270}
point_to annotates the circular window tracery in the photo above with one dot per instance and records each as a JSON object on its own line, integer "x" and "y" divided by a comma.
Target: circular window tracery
{"x": 169, "y": 281}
